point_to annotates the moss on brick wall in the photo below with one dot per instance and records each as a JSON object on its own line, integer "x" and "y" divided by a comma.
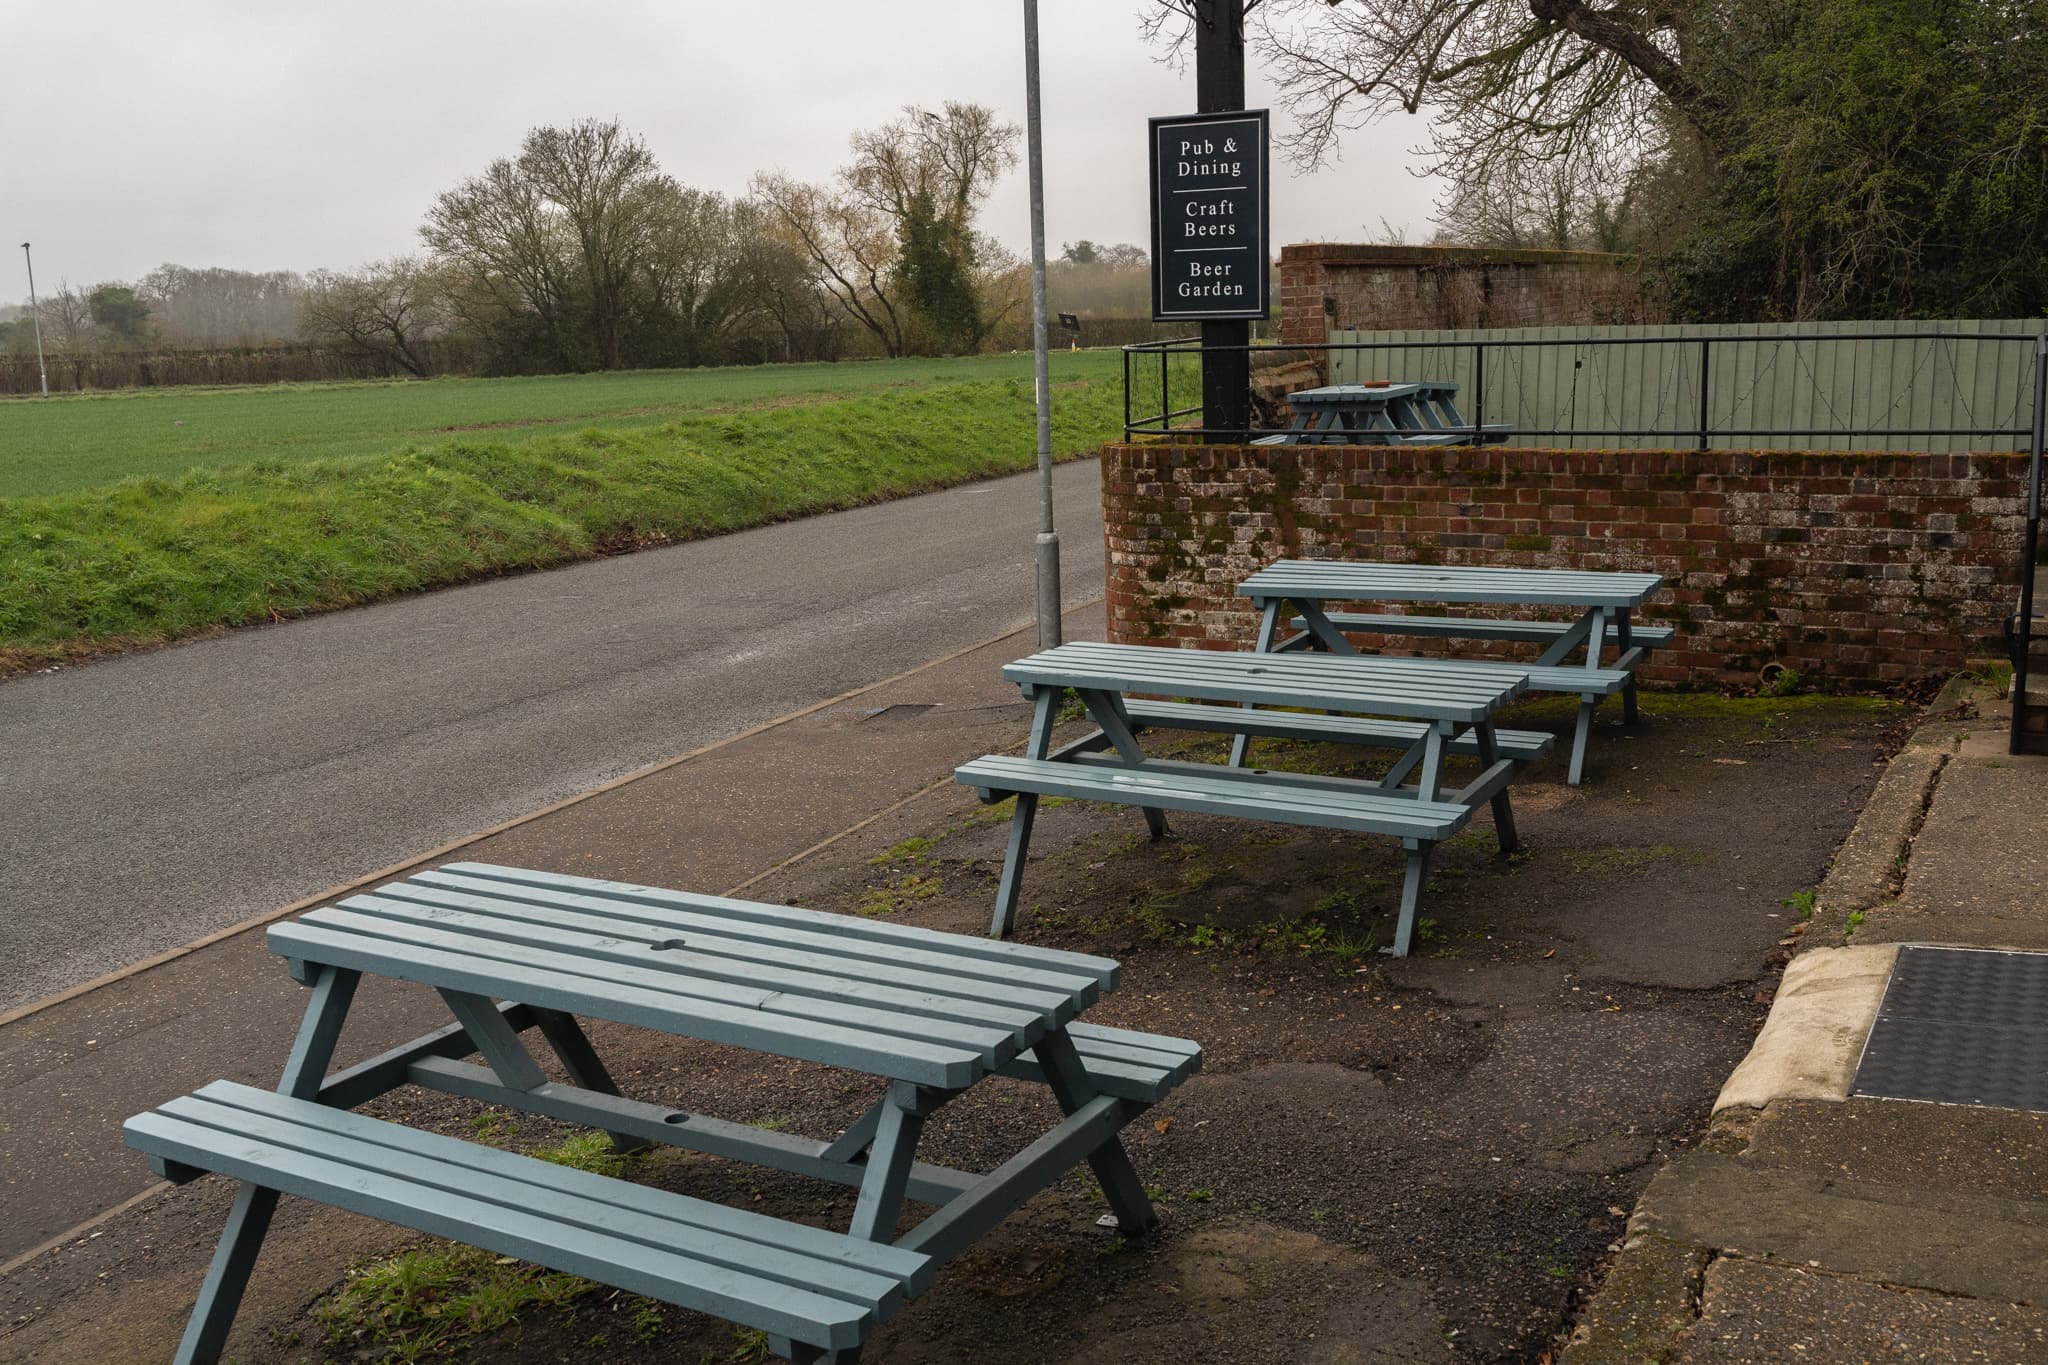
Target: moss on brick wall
{"x": 1858, "y": 569}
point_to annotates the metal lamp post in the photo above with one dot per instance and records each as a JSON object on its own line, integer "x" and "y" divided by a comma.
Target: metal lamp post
{"x": 35, "y": 313}
{"x": 1048, "y": 544}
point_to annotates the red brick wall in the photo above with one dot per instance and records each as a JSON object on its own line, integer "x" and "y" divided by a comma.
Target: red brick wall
{"x": 1377, "y": 288}
{"x": 1857, "y": 570}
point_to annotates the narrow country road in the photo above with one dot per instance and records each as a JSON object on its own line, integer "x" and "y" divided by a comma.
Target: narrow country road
{"x": 151, "y": 799}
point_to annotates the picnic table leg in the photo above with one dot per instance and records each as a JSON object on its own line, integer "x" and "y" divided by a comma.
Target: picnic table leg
{"x": 1412, "y": 883}
{"x": 1433, "y": 745}
{"x": 1110, "y": 1162}
{"x": 1322, "y": 630}
{"x": 571, "y": 1046}
{"x": 1580, "y": 737}
{"x": 1595, "y": 622}
{"x": 1503, "y": 813}
{"x": 1622, "y": 640}
{"x": 228, "y": 1275}
{"x": 1045, "y": 704}
{"x": 1107, "y": 710}
{"x": 889, "y": 1161}
{"x": 1269, "y": 624}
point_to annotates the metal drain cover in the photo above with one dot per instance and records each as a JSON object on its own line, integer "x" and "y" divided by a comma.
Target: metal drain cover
{"x": 1960, "y": 1026}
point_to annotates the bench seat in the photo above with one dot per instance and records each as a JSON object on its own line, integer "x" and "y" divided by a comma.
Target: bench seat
{"x": 1244, "y": 793}
{"x": 1523, "y": 746}
{"x": 1576, "y": 679}
{"x": 1144, "y": 1067}
{"x": 823, "y": 1290}
{"x": 1479, "y": 628}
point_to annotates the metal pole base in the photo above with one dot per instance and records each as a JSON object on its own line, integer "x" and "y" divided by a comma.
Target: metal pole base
{"x": 1048, "y": 589}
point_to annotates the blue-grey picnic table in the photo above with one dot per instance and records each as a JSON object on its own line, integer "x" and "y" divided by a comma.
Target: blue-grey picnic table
{"x": 1419, "y": 412}
{"x": 1427, "y": 711}
{"x": 1603, "y": 601}
{"x": 513, "y": 952}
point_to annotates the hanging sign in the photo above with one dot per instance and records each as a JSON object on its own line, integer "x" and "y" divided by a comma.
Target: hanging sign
{"x": 1210, "y": 211}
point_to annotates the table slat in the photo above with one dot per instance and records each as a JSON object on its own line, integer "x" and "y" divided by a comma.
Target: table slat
{"x": 708, "y": 939}
{"x": 923, "y": 1063}
{"x": 1342, "y": 580}
{"x": 955, "y": 946}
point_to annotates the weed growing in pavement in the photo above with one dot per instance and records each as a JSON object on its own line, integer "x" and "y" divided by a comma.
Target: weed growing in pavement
{"x": 1857, "y": 919}
{"x": 751, "y": 1348}
{"x": 1801, "y": 902}
{"x": 911, "y": 850}
{"x": 895, "y": 897}
{"x": 493, "y": 1124}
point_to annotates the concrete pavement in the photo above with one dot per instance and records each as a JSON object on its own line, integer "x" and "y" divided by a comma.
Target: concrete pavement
{"x": 150, "y": 799}
{"x": 1815, "y": 1227}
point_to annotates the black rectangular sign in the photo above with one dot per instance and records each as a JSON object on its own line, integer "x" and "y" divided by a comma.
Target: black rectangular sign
{"x": 1210, "y": 204}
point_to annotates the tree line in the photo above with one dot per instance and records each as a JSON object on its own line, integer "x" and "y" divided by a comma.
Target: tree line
{"x": 579, "y": 252}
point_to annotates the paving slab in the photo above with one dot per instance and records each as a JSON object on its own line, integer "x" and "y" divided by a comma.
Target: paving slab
{"x": 1981, "y": 849}
{"x": 1984, "y": 1244}
{"x": 1751, "y": 1312}
{"x": 2001, "y": 1152}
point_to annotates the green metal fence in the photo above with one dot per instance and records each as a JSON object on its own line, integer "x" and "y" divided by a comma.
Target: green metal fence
{"x": 1791, "y": 386}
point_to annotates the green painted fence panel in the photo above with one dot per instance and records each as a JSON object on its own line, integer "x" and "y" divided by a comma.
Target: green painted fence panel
{"x": 1827, "y": 378}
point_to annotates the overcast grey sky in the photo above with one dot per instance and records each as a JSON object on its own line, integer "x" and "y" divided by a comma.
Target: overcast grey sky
{"x": 264, "y": 135}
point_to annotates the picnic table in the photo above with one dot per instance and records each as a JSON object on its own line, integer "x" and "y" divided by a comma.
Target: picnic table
{"x": 928, "y": 1015}
{"x": 1603, "y": 600}
{"x": 1426, "y": 711}
{"x": 1420, "y": 412}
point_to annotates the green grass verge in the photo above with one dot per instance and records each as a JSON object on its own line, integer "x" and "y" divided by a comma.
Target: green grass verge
{"x": 154, "y": 559}
{"x": 81, "y": 441}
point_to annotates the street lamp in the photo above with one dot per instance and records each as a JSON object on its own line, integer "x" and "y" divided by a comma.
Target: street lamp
{"x": 36, "y": 315}
{"x": 1048, "y": 542}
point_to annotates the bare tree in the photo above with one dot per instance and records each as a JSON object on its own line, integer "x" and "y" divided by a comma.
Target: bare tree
{"x": 66, "y": 319}
{"x": 385, "y": 309}
{"x": 849, "y": 245}
{"x": 607, "y": 188}
{"x": 504, "y": 237}
{"x": 694, "y": 273}
{"x": 928, "y": 173}
{"x": 1549, "y": 205}
{"x": 1503, "y": 82}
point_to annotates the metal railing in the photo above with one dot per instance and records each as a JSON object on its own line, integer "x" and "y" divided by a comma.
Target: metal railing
{"x": 1703, "y": 432}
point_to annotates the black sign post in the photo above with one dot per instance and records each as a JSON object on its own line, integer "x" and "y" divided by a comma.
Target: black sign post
{"x": 1210, "y": 211}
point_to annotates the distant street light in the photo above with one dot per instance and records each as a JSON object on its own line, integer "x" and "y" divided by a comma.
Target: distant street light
{"x": 35, "y": 313}
{"x": 1048, "y": 541}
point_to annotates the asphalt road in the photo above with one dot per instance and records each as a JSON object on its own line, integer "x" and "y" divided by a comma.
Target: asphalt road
{"x": 148, "y": 800}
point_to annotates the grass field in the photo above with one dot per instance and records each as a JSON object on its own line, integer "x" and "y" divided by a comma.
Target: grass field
{"x": 85, "y": 440}
{"x": 340, "y": 495}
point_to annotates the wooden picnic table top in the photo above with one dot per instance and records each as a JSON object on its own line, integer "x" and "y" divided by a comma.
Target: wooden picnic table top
{"x": 1324, "y": 579}
{"x": 1416, "y": 689}
{"x": 891, "y": 1000}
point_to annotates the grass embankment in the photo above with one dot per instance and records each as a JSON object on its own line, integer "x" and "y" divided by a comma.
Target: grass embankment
{"x": 156, "y": 559}
{"x": 80, "y": 441}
